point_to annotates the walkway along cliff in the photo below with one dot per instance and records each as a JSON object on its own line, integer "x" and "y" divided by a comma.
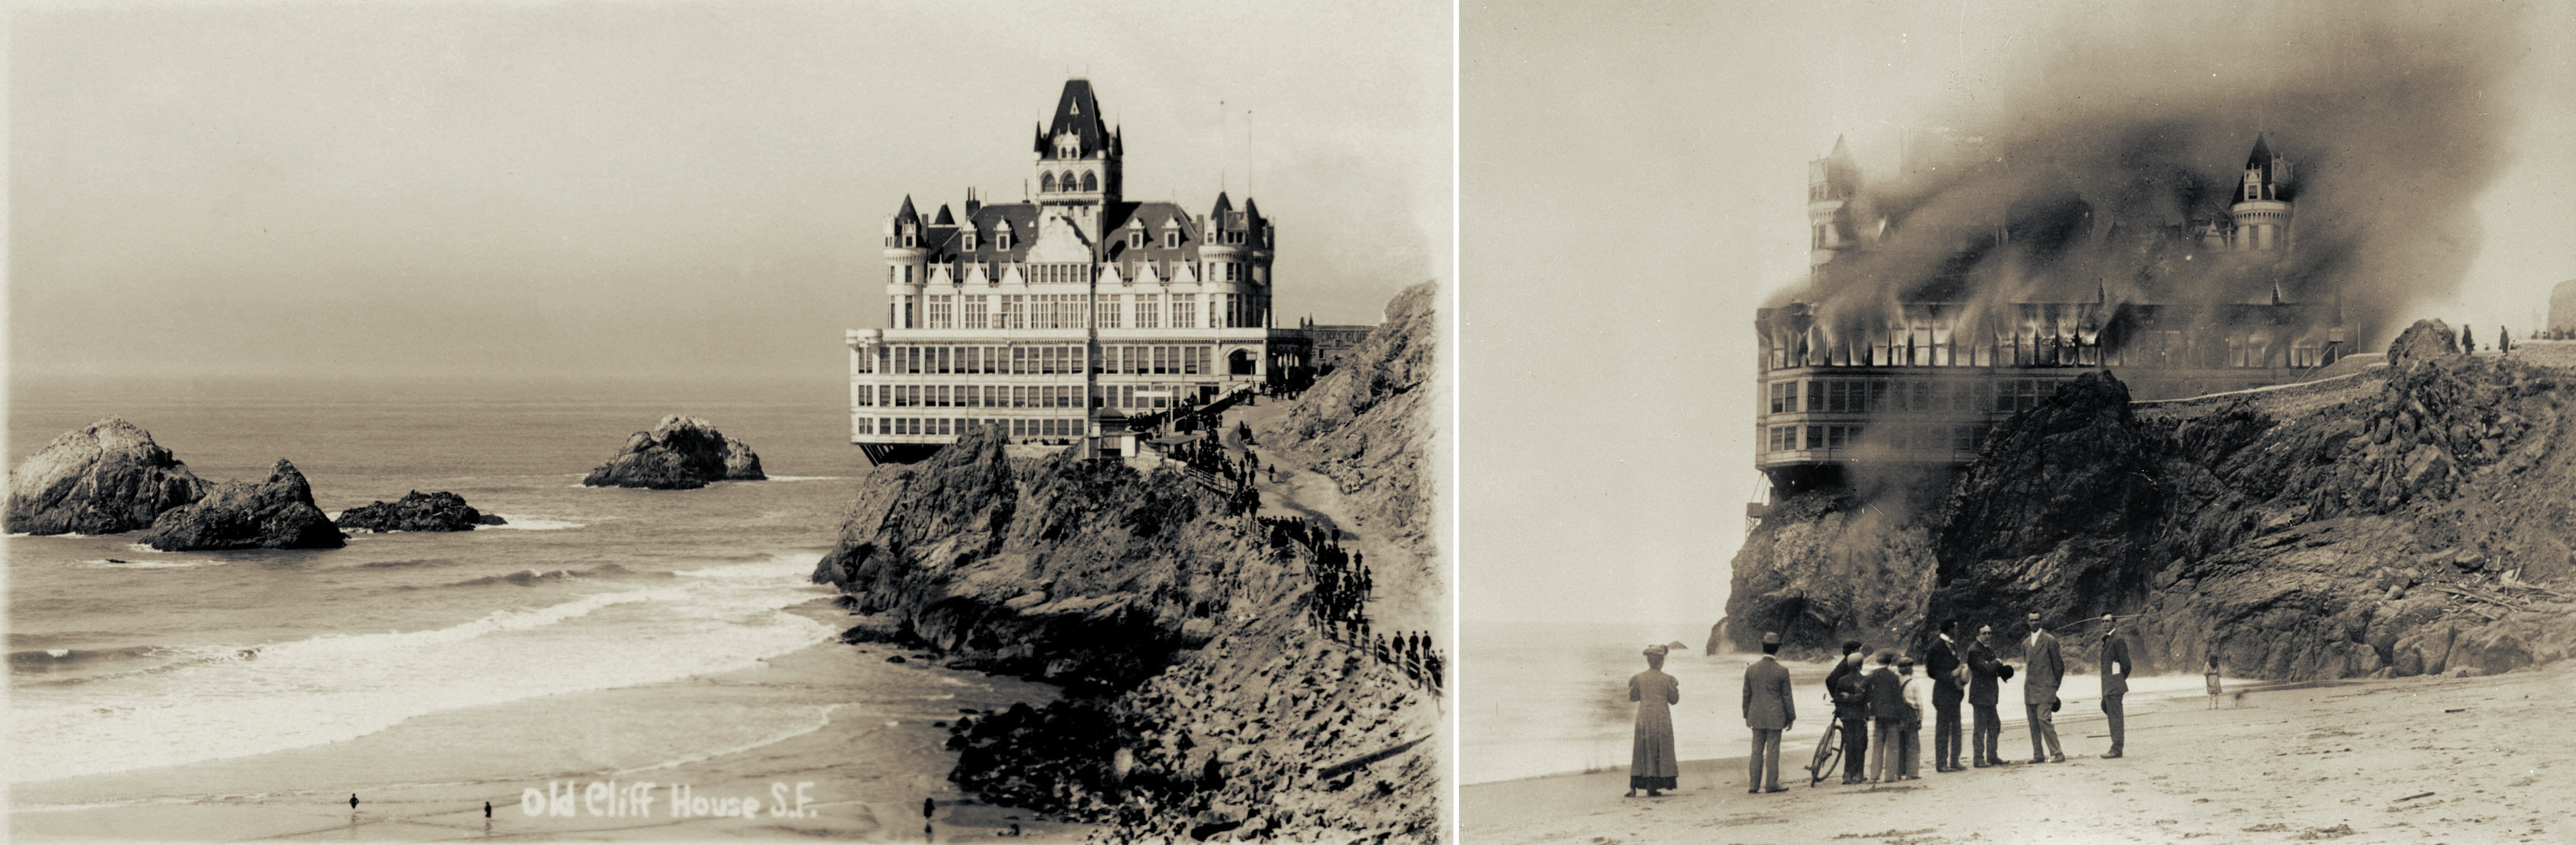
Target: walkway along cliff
{"x": 2412, "y": 519}
{"x": 1203, "y": 699}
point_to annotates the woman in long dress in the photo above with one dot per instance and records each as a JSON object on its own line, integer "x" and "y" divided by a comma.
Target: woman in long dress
{"x": 1654, "y": 765}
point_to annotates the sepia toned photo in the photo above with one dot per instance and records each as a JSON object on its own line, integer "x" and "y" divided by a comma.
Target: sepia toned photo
{"x": 718, "y": 421}
{"x": 1982, "y": 422}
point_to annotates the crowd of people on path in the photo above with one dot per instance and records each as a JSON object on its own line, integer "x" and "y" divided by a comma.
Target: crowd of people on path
{"x": 1880, "y": 711}
{"x": 1343, "y": 587}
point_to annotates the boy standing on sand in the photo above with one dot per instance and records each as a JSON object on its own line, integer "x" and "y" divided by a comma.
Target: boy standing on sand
{"x": 2210, "y": 677}
{"x": 1910, "y": 737}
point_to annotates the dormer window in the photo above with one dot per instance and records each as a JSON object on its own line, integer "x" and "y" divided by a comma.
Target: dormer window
{"x": 970, "y": 239}
{"x": 1172, "y": 240}
{"x": 909, "y": 241}
{"x": 1002, "y": 239}
{"x": 1136, "y": 240}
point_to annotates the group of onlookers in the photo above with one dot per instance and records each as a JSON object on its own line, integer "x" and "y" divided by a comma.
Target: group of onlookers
{"x": 1880, "y": 710}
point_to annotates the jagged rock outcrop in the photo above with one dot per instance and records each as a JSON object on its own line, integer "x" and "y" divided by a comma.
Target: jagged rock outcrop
{"x": 103, "y": 479}
{"x": 1368, "y": 424}
{"x": 1082, "y": 572}
{"x": 2386, "y": 523}
{"x": 1826, "y": 566}
{"x": 682, "y": 453}
{"x": 1200, "y": 696}
{"x": 417, "y": 511}
{"x": 2423, "y": 341}
{"x": 274, "y": 514}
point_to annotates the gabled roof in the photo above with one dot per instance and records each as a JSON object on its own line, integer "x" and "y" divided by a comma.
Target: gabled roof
{"x": 1076, "y": 111}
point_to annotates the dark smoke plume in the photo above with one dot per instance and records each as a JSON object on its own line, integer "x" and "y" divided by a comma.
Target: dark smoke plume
{"x": 2129, "y": 127}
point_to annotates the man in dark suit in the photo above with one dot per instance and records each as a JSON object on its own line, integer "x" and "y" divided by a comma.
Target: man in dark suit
{"x": 2043, "y": 668}
{"x": 1768, "y": 710}
{"x": 1941, "y": 661}
{"x": 2115, "y": 678}
{"x": 1983, "y": 672}
{"x": 1846, "y": 687}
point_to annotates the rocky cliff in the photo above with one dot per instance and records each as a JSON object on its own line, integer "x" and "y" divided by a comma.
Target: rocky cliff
{"x": 2407, "y": 520}
{"x": 274, "y": 514}
{"x": 417, "y": 511}
{"x": 104, "y": 479}
{"x": 681, "y": 453}
{"x": 1201, "y": 699}
{"x": 1366, "y": 423}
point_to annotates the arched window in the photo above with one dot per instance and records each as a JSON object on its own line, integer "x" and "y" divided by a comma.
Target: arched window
{"x": 1090, "y": 182}
{"x": 1046, "y": 183}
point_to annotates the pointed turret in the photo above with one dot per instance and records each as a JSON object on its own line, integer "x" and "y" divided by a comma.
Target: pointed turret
{"x": 944, "y": 218}
{"x": 906, "y": 214}
{"x": 2262, "y": 209}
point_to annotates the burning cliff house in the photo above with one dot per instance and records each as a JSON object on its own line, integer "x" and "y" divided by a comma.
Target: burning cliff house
{"x": 1928, "y": 318}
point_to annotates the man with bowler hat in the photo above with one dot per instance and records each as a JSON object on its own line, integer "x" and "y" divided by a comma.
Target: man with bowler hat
{"x": 1768, "y": 710}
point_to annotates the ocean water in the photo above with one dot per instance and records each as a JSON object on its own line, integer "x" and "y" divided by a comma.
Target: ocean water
{"x": 122, "y": 658}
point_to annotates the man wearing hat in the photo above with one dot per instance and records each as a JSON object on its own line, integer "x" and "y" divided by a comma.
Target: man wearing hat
{"x": 2042, "y": 670}
{"x": 1848, "y": 687}
{"x": 1941, "y": 664}
{"x": 1888, "y": 710}
{"x": 2115, "y": 678}
{"x": 1768, "y": 710}
{"x": 1983, "y": 673}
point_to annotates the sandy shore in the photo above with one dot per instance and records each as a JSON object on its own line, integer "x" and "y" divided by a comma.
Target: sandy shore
{"x": 2346, "y": 762}
{"x": 876, "y": 753}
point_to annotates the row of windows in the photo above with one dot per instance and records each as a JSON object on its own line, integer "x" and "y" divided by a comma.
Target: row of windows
{"x": 997, "y": 272}
{"x": 1047, "y": 183}
{"x": 1936, "y": 348}
{"x": 1135, "y": 396}
{"x": 1899, "y": 438}
{"x": 1871, "y": 396}
{"x": 1063, "y": 427}
{"x": 1064, "y": 311}
{"x": 1043, "y": 360}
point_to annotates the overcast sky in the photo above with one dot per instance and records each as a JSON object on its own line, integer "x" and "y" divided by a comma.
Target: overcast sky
{"x": 1635, "y": 186}
{"x": 670, "y": 189}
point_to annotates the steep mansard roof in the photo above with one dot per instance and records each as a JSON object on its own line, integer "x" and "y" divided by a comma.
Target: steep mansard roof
{"x": 1078, "y": 112}
{"x": 946, "y": 243}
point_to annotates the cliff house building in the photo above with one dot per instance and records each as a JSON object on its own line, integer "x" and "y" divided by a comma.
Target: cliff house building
{"x": 1920, "y": 382}
{"x": 1064, "y": 316}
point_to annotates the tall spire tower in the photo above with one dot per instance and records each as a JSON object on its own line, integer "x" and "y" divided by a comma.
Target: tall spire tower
{"x": 2261, "y": 212}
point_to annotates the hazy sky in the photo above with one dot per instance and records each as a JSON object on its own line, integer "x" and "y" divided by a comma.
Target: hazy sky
{"x": 690, "y": 189}
{"x": 1634, "y": 185}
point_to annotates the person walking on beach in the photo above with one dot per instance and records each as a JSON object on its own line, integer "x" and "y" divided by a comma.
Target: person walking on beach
{"x": 2209, "y": 677}
{"x": 1886, "y": 696}
{"x": 2042, "y": 669}
{"x": 1984, "y": 671}
{"x": 1768, "y": 710}
{"x": 1848, "y": 690}
{"x": 1942, "y": 663}
{"x": 1653, "y": 764}
{"x": 2115, "y": 679}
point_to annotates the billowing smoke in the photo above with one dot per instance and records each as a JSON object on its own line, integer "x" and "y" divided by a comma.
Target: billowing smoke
{"x": 2090, "y": 171}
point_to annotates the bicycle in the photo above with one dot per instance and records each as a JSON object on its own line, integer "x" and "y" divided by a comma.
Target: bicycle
{"x": 1828, "y": 752}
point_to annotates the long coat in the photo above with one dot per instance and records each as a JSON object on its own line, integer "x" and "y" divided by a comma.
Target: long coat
{"x": 2045, "y": 667}
{"x": 1982, "y": 671}
{"x": 1887, "y": 694}
{"x": 2115, "y": 650}
{"x": 1654, "y": 755}
{"x": 1767, "y": 705}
